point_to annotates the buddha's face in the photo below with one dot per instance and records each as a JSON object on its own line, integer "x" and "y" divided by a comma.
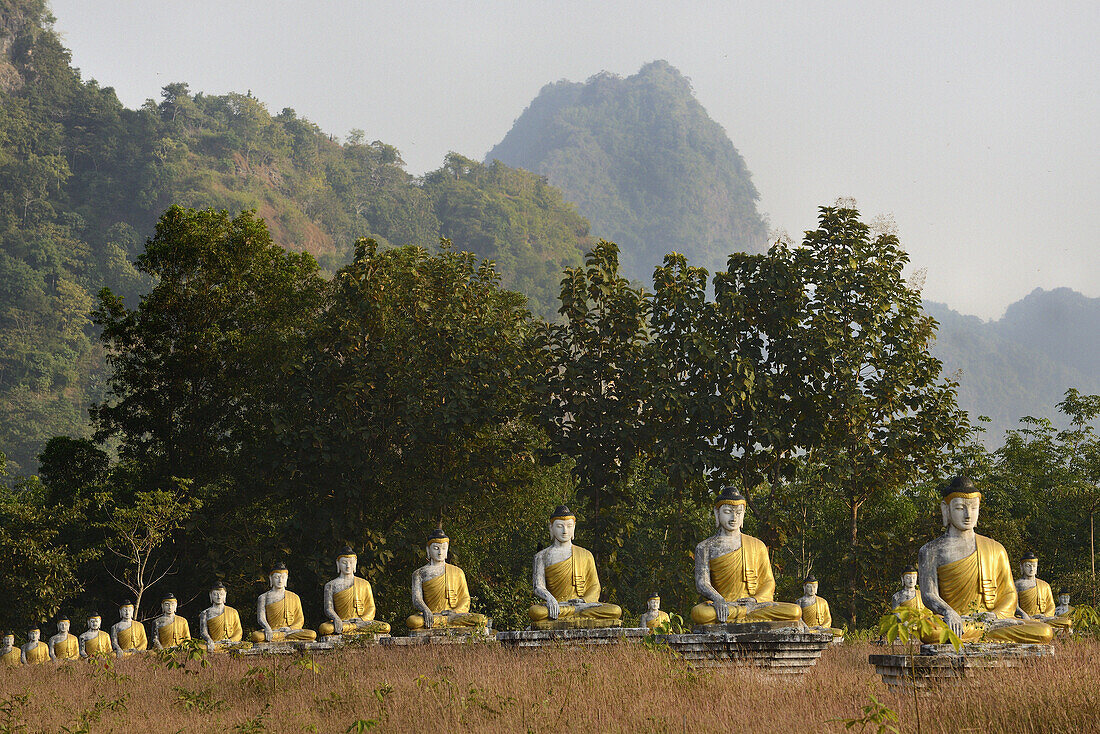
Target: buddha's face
{"x": 126, "y": 613}
{"x": 168, "y": 607}
{"x": 729, "y": 517}
{"x": 653, "y": 604}
{"x": 961, "y": 513}
{"x": 1029, "y": 568}
{"x": 908, "y": 581}
{"x": 562, "y": 529}
{"x": 437, "y": 551}
{"x": 34, "y": 635}
{"x": 346, "y": 565}
{"x": 9, "y": 642}
{"x": 1063, "y": 600}
{"x": 63, "y": 627}
{"x": 278, "y": 580}
{"x": 217, "y": 596}
{"x": 94, "y": 623}
{"x": 809, "y": 588}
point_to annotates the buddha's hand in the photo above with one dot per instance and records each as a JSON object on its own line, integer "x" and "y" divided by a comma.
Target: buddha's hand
{"x": 1025, "y": 616}
{"x": 722, "y": 610}
{"x": 553, "y": 608}
{"x": 429, "y": 618}
{"x": 211, "y": 647}
{"x": 987, "y": 617}
{"x": 954, "y": 622}
{"x": 338, "y": 626}
{"x": 269, "y": 635}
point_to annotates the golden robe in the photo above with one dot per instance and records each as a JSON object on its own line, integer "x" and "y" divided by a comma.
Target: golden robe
{"x": 133, "y": 638}
{"x": 12, "y": 659}
{"x": 98, "y": 645}
{"x": 915, "y": 603}
{"x": 67, "y": 649}
{"x": 575, "y": 578}
{"x": 745, "y": 572}
{"x": 661, "y": 618}
{"x": 38, "y": 654}
{"x": 982, "y": 582}
{"x": 818, "y": 615}
{"x": 287, "y": 612}
{"x": 225, "y": 626}
{"x": 355, "y": 602}
{"x": 171, "y": 635}
{"x": 1038, "y": 601}
{"x": 447, "y": 592}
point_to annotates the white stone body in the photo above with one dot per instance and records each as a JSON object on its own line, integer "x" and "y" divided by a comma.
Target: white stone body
{"x": 729, "y": 519}
{"x": 562, "y": 530}
{"x": 61, "y": 636}
{"x": 126, "y": 618}
{"x": 216, "y": 608}
{"x": 94, "y": 625}
{"x": 437, "y": 552}
{"x": 33, "y": 638}
{"x": 907, "y": 592}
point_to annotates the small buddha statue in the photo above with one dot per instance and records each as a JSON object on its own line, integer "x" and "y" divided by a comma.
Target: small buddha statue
{"x": 279, "y": 611}
{"x": 170, "y": 629}
{"x": 64, "y": 646}
{"x": 440, "y": 592}
{"x": 349, "y": 601}
{"x": 1034, "y": 597}
{"x": 653, "y": 617}
{"x": 564, "y": 577}
{"x": 94, "y": 641}
{"x": 10, "y": 655}
{"x": 35, "y": 652}
{"x": 965, "y": 578}
{"x": 909, "y": 595}
{"x": 219, "y": 625}
{"x": 1064, "y": 609}
{"x": 127, "y": 634}
{"x": 815, "y": 610}
{"x": 734, "y": 574}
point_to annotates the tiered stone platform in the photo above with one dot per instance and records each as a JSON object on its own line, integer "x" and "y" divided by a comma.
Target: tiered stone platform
{"x": 286, "y": 647}
{"x": 549, "y": 638}
{"x": 441, "y": 637}
{"x": 778, "y": 648}
{"x": 938, "y": 665}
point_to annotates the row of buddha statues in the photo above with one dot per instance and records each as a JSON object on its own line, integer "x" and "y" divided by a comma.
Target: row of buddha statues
{"x": 962, "y": 577}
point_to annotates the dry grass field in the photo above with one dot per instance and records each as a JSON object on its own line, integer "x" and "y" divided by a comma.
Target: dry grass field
{"x": 481, "y": 688}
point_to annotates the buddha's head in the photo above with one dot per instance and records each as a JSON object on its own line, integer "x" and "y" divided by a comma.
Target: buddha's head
{"x": 126, "y": 611}
{"x": 347, "y": 562}
{"x": 563, "y": 524}
{"x": 8, "y": 642}
{"x": 217, "y": 594}
{"x": 63, "y": 625}
{"x": 909, "y": 578}
{"x": 168, "y": 604}
{"x": 439, "y": 545}
{"x": 809, "y": 586}
{"x": 278, "y": 576}
{"x": 729, "y": 510}
{"x": 960, "y": 504}
{"x": 1029, "y": 565}
{"x": 653, "y": 603}
{"x": 1063, "y": 598}
{"x": 95, "y": 622}
{"x": 34, "y": 635}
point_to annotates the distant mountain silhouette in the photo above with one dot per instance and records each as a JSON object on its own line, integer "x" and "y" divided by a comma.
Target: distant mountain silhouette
{"x": 644, "y": 163}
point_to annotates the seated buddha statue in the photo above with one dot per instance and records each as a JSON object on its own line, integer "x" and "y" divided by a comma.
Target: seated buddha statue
{"x": 440, "y": 592}
{"x": 127, "y": 634}
{"x": 965, "y": 578}
{"x": 94, "y": 641}
{"x": 219, "y": 625}
{"x": 279, "y": 611}
{"x": 564, "y": 577}
{"x": 909, "y": 595}
{"x": 10, "y": 655}
{"x": 815, "y": 610}
{"x": 169, "y": 629}
{"x": 1064, "y": 608}
{"x": 734, "y": 574}
{"x": 349, "y": 601}
{"x": 64, "y": 646}
{"x": 653, "y": 617}
{"x": 35, "y": 652}
{"x": 1034, "y": 597}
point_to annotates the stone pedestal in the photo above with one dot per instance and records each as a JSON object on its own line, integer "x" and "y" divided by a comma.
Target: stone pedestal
{"x": 362, "y": 639}
{"x": 938, "y": 665}
{"x": 549, "y": 638}
{"x": 784, "y": 651}
{"x": 285, "y": 647}
{"x": 442, "y": 637}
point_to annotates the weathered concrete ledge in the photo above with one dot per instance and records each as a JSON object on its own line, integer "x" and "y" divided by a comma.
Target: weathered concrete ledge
{"x": 285, "y": 647}
{"x": 545, "y": 638}
{"x": 784, "y": 651}
{"x": 937, "y": 665}
{"x": 442, "y": 637}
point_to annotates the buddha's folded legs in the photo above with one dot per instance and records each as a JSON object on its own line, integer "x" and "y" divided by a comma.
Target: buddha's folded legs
{"x": 1060, "y": 624}
{"x": 779, "y": 611}
{"x": 295, "y": 636}
{"x": 373, "y": 627}
{"x": 1026, "y": 633}
{"x": 539, "y": 612}
{"x": 441, "y": 621}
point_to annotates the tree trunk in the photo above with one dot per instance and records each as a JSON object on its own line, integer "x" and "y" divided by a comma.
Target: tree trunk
{"x": 853, "y": 563}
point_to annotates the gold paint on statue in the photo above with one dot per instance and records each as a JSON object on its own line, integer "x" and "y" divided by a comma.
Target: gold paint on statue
{"x": 355, "y": 602}
{"x": 225, "y": 626}
{"x": 38, "y": 654}
{"x": 68, "y": 649}
{"x": 661, "y": 618}
{"x": 576, "y": 578}
{"x": 818, "y": 615}
{"x": 743, "y": 573}
{"x": 171, "y": 635}
{"x": 98, "y": 645}
{"x": 915, "y": 603}
{"x": 12, "y": 659}
{"x": 133, "y": 637}
{"x": 287, "y": 612}
{"x": 1038, "y": 601}
{"x": 447, "y": 591}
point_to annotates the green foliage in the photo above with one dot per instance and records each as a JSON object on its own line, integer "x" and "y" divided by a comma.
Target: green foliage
{"x": 876, "y": 715}
{"x": 202, "y": 700}
{"x": 910, "y": 625}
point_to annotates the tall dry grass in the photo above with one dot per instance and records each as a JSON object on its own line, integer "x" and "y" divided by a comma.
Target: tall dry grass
{"x": 478, "y": 688}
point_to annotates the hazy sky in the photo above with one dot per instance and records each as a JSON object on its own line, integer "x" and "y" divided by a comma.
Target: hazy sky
{"x": 974, "y": 124}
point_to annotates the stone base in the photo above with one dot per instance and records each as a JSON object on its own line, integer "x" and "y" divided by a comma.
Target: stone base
{"x": 359, "y": 639}
{"x": 285, "y": 647}
{"x": 777, "y": 651}
{"x": 441, "y": 637}
{"x": 938, "y": 665}
{"x": 727, "y": 628}
{"x": 459, "y": 632}
{"x": 549, "y": 638}
{"x": 574, "y": 623}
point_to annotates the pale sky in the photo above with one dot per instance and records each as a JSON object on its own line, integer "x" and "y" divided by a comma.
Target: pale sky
{"x": 973, "y": 124}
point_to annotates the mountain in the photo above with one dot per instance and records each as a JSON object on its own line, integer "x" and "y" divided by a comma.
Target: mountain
{"x": 644, "y": 163}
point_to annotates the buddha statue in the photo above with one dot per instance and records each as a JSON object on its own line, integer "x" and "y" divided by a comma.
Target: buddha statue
{"x": 35, "y": 652}
{"x": 1064, "y": 609}
{"x": 127, "y": 634}
{"x": 349, "y": 601}
{"x": 815, "y": 610}
{"x": 10, "y": 655}
{"x": 909, "y": 596}
{"x": 440, "y": 592}
{"x": 64, "y": 646}
{"x": 219, "y": 625}
{"x": 965, "y": 578}
{"x": 653, "y": 617}
{"x": 733, "y": 572}
{"x": 170, "y": 629}
{"x": 564, "y": 577}
{"x": 279, "y": 611}
{"x": 94, "y": 641}
{"x": 1034, "y": 597}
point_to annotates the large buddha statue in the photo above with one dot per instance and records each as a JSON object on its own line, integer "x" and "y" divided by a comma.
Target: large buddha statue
{"x": 1034, "y": 597}
{"x": 10, "y": 655}
{"x": 94, "y": 641}
{"x": 653, "y": 617}
{"x": 64, "y": 646}
{"x": 733, "y": 572}
{"x": 909, "y": 595}
{"x": 169, "y": 629}
{"x": 564, "y": 577}
{"x": 815, "y": 610}
{"x": 127, "y": 634}
{"x": 35, "y": 652}
{"x": 349, "y": 601}
{"x": 279, "y": 611}
{"x": 440, "y": 592}
{"x": 966, "y": 578}
{"x": 219, "y": 625}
